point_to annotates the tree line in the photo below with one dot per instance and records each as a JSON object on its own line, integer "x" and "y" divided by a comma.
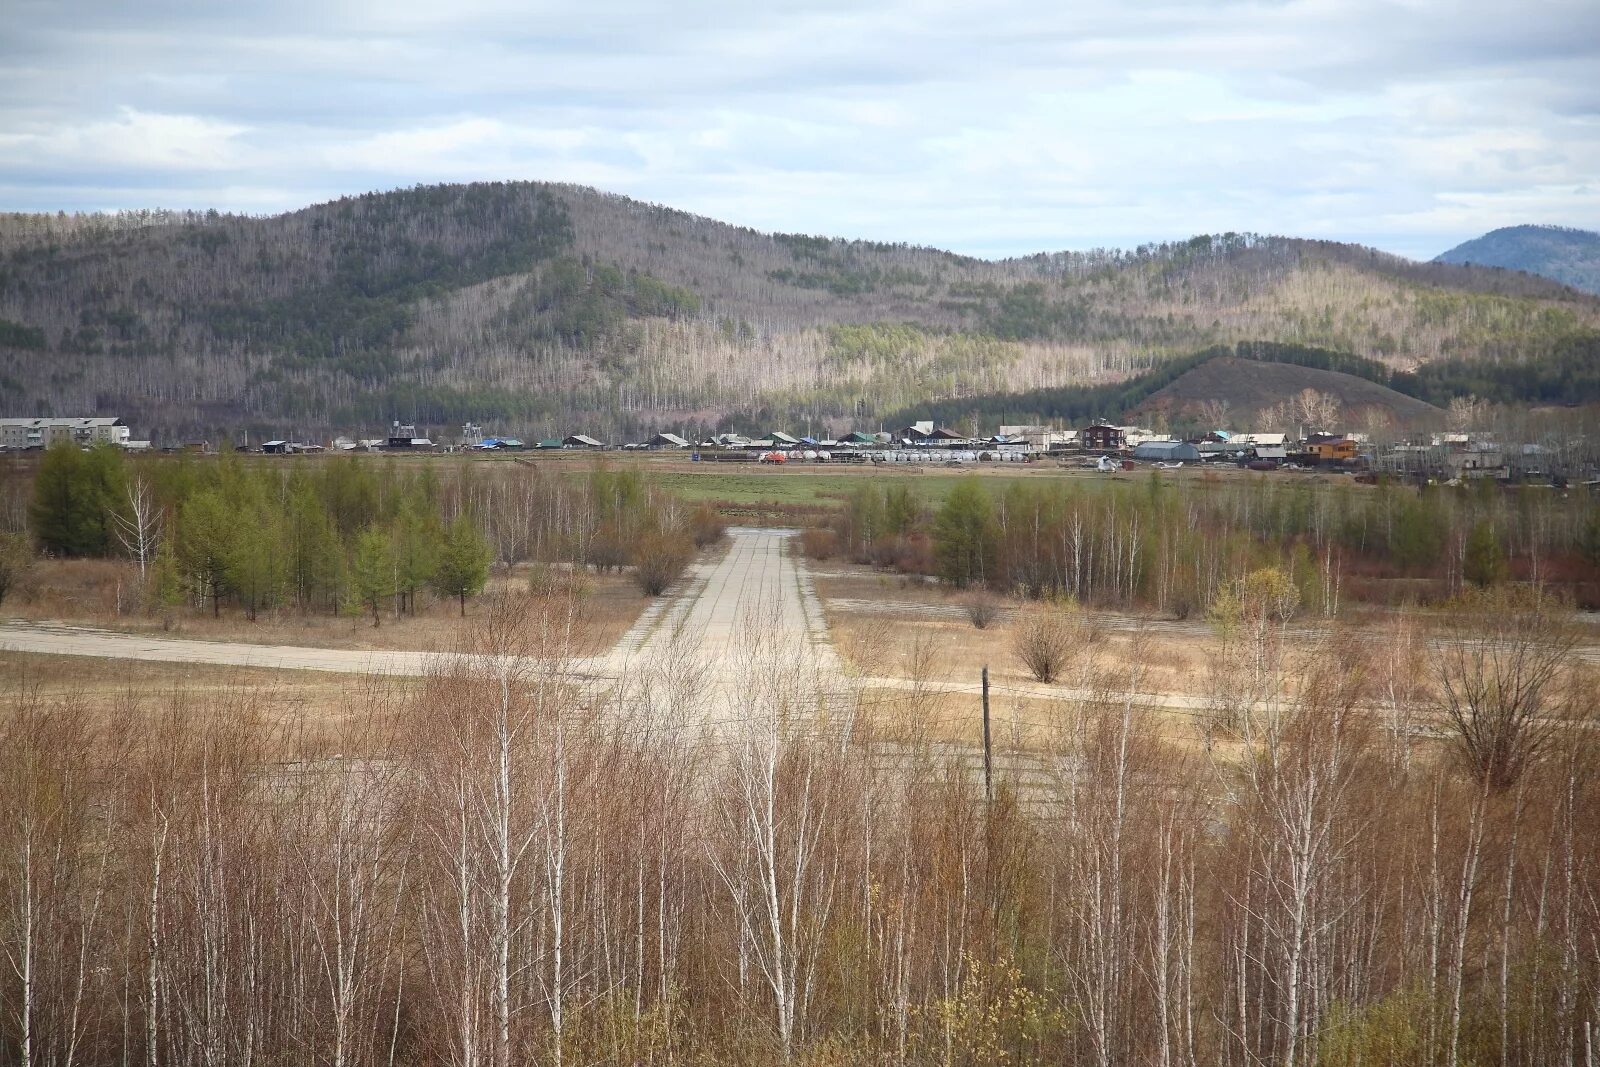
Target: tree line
{"x": 1176, "y": 545}
{"x": 345, "y": 534}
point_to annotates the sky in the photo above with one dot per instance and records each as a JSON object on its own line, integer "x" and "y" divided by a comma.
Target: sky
{"x": 992, "y": 129}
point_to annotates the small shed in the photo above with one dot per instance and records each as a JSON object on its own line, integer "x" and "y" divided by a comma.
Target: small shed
{"x": 579, "y": 440}
{"x": 667, "y": 440}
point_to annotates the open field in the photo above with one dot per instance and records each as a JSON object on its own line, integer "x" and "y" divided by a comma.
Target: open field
{"x": 821, "y": 484}
{"x": 104, "y": 593}
{"x": 122, "y": 691}
{"x": 915, "y": 638}
{"x": 905, "y": 646}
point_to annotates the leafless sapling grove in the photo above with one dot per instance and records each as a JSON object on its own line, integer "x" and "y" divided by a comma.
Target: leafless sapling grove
{"x": 507, "y": 863}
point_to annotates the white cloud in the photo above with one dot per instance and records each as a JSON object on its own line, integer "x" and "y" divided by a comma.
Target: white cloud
{"x": 135, "y": 140}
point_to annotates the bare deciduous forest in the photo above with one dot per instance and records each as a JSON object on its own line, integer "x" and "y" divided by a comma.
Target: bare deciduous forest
{"x": 506, "y": 866}
{"x": 544, "y": 305}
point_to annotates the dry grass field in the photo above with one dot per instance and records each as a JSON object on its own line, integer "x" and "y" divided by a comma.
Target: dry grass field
{"x": 879, "y": 620}
{"x": 123, "y": 693}
{"x": 105, "y": 593}
{"x": 920, "y": 661}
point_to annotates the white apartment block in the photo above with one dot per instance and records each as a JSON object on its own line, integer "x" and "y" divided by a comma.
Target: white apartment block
{"x": 42, "y": 433}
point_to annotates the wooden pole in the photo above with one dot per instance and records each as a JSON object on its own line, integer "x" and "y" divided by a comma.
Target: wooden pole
{"x": 988, "y": 764}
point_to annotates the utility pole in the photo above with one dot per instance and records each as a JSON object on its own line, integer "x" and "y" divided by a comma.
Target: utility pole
{"x": 988, "y": 765}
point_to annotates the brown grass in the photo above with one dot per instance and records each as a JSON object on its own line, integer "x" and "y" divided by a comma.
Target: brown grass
{"x": 123, "y": 691}
{"x": 104, "y": 593}
{"x": 886, "y": 626}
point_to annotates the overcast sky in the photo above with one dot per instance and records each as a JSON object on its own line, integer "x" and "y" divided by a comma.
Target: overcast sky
{"x": 989, "y": 128}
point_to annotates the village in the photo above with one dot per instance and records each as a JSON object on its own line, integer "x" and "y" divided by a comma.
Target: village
{"x": 1446, "y": 457}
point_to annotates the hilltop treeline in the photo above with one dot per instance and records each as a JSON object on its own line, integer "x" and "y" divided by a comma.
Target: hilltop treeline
{"x": 503, "y": 867}
{"x": 540, "y": 305}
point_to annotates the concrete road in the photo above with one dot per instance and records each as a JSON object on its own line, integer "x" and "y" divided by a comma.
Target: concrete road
{"x": 743, "y": 636}
{"x": 755, "y": 588}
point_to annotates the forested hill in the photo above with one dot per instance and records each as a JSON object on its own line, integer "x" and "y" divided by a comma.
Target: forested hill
{"x": 1258, "y": 383}
{"x": 535, "y": 308}
{"x": 1569, "y": 256}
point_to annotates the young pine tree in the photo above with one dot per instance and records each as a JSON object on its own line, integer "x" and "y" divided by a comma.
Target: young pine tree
{"x": 372, "y": 570}
{"x": 166, "y": 588}
{"x": 205, "y": 537}
{"x": 312, "y": 548}
{"x": 1483, "y": 561}
{"x": 463, "y": 562}
{"x": 255, "y": 563}
{"x": 15, "y": 559}
{"x": 75, "y": 495}
{"x": 416, "y": 538}
{"x": 965, "y": 534}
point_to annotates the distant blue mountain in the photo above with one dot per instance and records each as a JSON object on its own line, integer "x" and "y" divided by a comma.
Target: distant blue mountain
{"x": 1569, "y": 256}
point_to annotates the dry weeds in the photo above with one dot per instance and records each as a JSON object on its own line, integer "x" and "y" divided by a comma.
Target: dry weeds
{"x": 105, "y": 593}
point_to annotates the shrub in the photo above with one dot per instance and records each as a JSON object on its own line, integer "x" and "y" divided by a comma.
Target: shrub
{"x": 914, "y": 554}
{"x": 659, "y": 558}
{"x": 1045, "y": 639}
{"x": 15, "y": 559}
{"x": 981, "y": 609}
{"x": 706, "y": 526}
{"x": 553, "y": 583}
{"x": 817, "y": 543}
{"x": 608, "y": 550}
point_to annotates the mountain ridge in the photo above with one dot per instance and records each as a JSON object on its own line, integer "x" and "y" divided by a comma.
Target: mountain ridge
{"x": 542, "y": 306}
{"x": 1564, "y": 254}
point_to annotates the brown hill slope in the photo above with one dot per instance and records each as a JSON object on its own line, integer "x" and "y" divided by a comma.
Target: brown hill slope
{"x": 532, "y": 307}
{"x": 1246, "y": 391}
